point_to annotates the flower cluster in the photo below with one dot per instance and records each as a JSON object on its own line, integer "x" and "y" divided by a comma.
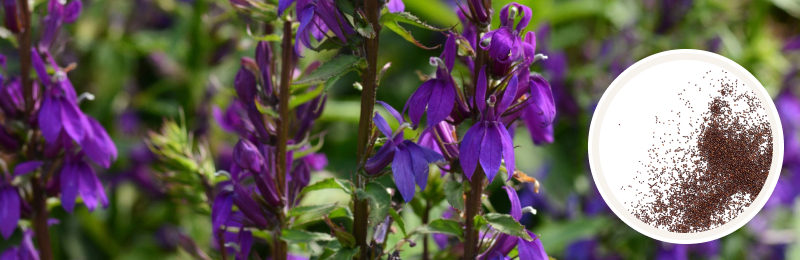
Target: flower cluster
{"x": 253, "y": 187}
{"x": 54, "y": 141}
{"x": 505, "y": 91}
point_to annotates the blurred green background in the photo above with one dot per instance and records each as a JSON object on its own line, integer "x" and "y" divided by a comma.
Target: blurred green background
{"x": 146, "y": 60}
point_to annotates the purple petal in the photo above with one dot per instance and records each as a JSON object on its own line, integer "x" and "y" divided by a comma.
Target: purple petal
{"x": 531, "y": 250}
{"x": 529, "y": 45}
{"x": 419, "y": 164}
{"x": 419, "y": 100}
{"x": 39, "y": 67}
{"x": 470, "y": 148}
{"x": 542, "y": 96}
{"x": 26, "y": 167}
{"x": 11, "y": 16}
{"x": 450, "y": 52}
{"x": 382, "y": 125}
{"x": 441, "y": 102}
{"x": 792, "y": 44}
{"x": 245, "y": 84}
{"x": 282, "y": 5}
{"x": 526, "y": 18}
{"x": 248, "y": 206}
{"x": 263, "y": 59}
{"x": 502, "y": 247}
{"x": 50, "y": 119}
{"x": 539, "y": 134}
{"x": 516, "y": 208}
{"x": 74, "y": 120}
{"x": 396, "y": 6}
{"x": 403, "y": 173}
{"x": 12, "y": 253}
{"x": 27, "y": 250}
{"x": 221, "y": 210}
{"x": 508, "y": 149}
{"x": 508, "y": 95}
{"x": 317, "y": 161}
{"x": 86, "y": 186}
{"x": 480, "y": 91}
{"x": 491, "y": 152}
{"x": 302, "y": 36}
{"x": 98, "y": 146}
{"x": 72, "y": 11}
{"x": 9, "y": 212}
{"x": 69, "y": 186}
{"x": 381, "y": 159}
{"x": 392, "y": 111}
{"x": 247, "y": 156}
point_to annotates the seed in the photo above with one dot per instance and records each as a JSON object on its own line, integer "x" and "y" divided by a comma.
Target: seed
{"x": 716, "y": 173}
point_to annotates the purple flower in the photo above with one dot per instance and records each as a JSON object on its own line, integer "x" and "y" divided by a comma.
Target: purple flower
{"x": 505, "y": 44}
{"x": 57, "y": 14}
{"x": 395, "y": 6}
{"x": 409, "y": 160}
{"x": 488, "y": 142}
{"x": 250, "y": 159}
{"x": 12, "y": 15}
{"x": 792, "y": 44}
{"x": 504, "y": 243}
{"x": 438, "y": 95}
{"x": 10, "y": 211}
{"x": 316, "y": 17}
{"x": 78, "y": 178}
{"x": 25, "y": 251}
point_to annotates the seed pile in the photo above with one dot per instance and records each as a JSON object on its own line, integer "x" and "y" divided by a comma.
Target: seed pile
{"x": 712, "y": 172}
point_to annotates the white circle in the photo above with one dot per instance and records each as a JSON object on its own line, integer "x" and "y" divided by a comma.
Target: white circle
{"x": 624, "y": 126}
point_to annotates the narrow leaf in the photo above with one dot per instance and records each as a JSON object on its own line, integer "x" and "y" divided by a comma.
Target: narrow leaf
{"x": 336, "y": 66}
{"x": 392, "y": 25}
{"x": 399, "y": 220}
{"x": 299, "y": 236}
{"x": 454, "y": 193}
{"x": 408, "y": 18}
{"x": 504, "y": 223}
{"x": 302, "y": 98}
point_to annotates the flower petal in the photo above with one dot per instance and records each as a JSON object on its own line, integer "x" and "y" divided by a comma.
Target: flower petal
{"x": 50, "y": 119}
{"x": 86, "y": 185}
{"x": 516, "y": 207}
{"x": 382, "y": 125}
{"x": 97, "y": 145}
{"x": 69, "y": 179}
{"x": 392, "y": 111}
{"x": 403, "y": 173}
{"x": 531, "y": 250}
{"x": 440, "y": 104}
{"x": 282, "y": 5}
{"x": 491, "y": 151}
{"x": 480, "y": 91}
{"x": 419, "y": 164}
{"x": 72, "y": 11}
{"x": 395, "y": 6}
{"x": 542, "y": 95}
{"x": 221, "y": 210}
{"x": 26, "y": 167}
{"x": 9, "y": 212}
{"x": 74, "y": 120}
{"x": 508, "y": 149}
{"x": 381, "y": 159}
{"x": 470, "y": 148}
{"x": 418, "y": 101}
{"x": 508, "y": 95}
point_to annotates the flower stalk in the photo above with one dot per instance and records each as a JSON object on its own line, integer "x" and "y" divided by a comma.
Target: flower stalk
{"x": 361, "y": 208}
{"x": 280, "y": 250}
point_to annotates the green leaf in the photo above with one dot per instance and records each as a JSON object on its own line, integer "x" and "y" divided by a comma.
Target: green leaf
{"x": 508, "y": 225}
{"x": 479, "y": 221}
{"x": 302, "y": 98}
{"x": 334, "y": 67}
{"x": 408, "y": 18}
{"x": 393, "y": 20}
{"x": 454, "y": 193}
{"x": 443, "y": 226}
{"x": 346, "y": 254}
{"x": 399, "y": 220}
{"x": 299, "y": 236}
{"x": 326, "y": 253}
{"x": 379, "y": 201}
{"x": 312, "y": 211}
{"x": 329, "y": 183}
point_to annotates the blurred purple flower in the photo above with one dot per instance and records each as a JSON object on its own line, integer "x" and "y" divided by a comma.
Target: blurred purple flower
{"x": 395, "y": 6}
{"x": 78, "y": 178}
{"x": 25, "y": 251}
{"x": 11, "y": 15}
{"x": 58, "y": 14}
